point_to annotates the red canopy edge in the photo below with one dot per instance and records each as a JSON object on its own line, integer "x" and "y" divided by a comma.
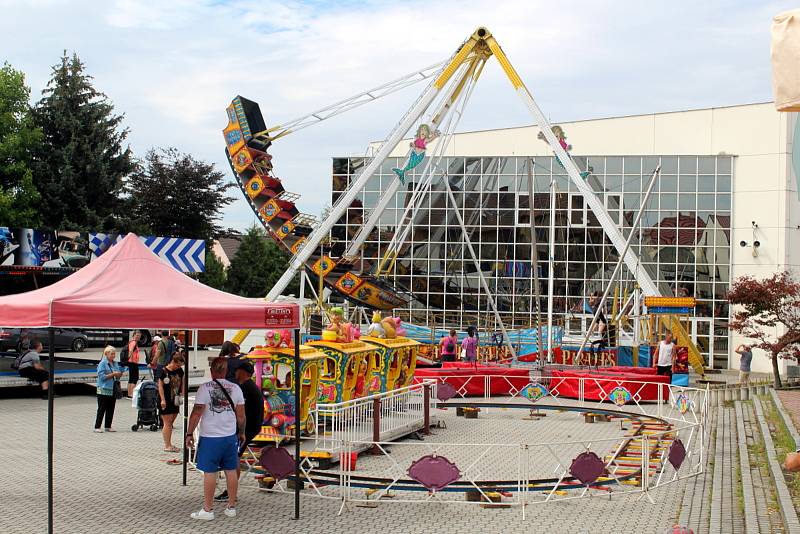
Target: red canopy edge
{"x": 130, "y": 287}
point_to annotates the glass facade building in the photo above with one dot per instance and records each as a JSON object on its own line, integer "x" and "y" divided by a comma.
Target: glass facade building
{"x": 683, "y": 240}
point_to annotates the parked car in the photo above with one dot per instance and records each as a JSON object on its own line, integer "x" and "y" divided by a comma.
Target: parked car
{"x": 65, "y": 338}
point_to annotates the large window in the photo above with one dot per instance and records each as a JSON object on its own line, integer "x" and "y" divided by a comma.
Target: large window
{"x": 683, "y": 240}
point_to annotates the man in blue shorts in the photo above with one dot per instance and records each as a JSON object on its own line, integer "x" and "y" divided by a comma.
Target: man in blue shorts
{"x": 219, "y": 410}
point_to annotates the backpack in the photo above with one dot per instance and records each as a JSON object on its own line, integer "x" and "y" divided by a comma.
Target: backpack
{"x": 18, "y": 360}
{"x": 450, "y": 347}
{"x": 124, "y": 355}
{"x": 170, "y": 346}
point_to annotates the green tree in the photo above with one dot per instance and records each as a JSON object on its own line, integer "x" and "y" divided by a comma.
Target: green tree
{"x": 249, "y": 274}
{"x": 19, "y": 200}
{"x": 81, "y": 164}
{"x": 214, "y": 275}
{"x": 174, "y": 194}
{"x": 257, "y": 265}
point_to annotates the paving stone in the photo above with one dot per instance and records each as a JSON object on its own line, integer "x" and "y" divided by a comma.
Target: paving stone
{"x": 120, "y": 483}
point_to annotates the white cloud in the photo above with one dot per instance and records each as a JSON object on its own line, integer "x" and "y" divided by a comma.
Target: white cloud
{"x": 172, "y": 67}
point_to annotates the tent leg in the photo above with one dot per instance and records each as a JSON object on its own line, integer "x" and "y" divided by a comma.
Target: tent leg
{"x": 298, "y": 376}
{"x": 51, "y": 380}
{"x": 185, "y": 405}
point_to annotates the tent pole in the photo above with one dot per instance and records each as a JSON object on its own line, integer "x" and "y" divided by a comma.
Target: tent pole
{"x": 185, "y": 404}
{"x": 297, "y": 422}
{"x": 51, "y": 370}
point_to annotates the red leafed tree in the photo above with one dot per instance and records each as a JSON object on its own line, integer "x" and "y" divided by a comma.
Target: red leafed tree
{"x": 769, "y": 312}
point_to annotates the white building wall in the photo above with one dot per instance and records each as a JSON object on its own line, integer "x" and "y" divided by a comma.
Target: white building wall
{"x": 764, "y": 186}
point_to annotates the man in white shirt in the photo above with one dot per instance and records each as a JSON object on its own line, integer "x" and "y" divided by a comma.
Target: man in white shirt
{"x": 666, "y": 355}
{"x": 219, "y": 410}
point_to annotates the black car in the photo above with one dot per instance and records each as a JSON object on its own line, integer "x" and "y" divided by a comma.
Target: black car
{"x": 65, "y": 338}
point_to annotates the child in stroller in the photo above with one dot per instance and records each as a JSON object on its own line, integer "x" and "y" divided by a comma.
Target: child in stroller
{"x": 147, "y": 406}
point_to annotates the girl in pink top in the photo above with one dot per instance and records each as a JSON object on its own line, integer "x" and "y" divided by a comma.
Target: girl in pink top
{"x": 470, "y": 345}
{"x": 448, "y": 346}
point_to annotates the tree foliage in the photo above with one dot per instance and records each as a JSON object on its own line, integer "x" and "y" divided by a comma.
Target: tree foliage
{"x": 176, "y": 195}
{"x": 19, "y": 137}
{"x": 214, "y": 275}
{"x": 769, "y": 312}
{"x": 257, "y": 265}
{"x": 81, "y": 164}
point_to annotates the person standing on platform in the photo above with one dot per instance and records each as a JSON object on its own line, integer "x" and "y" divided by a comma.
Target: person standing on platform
{"x": 666, "y": 355}
{"x": 108, "y": 373}
{"x": 746, "y": 353}
{"x": 219, "y": 412}
{"x": 448, "y": 346}
{"x": 470, "y": 346}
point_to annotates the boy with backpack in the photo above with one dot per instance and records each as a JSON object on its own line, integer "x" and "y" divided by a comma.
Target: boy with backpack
{"x": 163, "y": 349}
{"x": 449, "y": 346}
{"x": 29, "y": 366}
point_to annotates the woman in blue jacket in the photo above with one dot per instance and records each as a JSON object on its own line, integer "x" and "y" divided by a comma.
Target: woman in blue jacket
{"x": 108, "y": 372}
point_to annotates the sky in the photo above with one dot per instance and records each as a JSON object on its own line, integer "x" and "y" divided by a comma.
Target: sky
{"x": 172, "y": 67}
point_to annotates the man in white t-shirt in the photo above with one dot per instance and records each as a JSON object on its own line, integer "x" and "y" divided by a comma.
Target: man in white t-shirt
{"x": 219, "y": 410}
{"x": 666, "y": 355}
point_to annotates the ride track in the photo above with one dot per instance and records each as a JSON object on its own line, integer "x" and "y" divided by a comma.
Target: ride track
{"x": 321, "y": 477}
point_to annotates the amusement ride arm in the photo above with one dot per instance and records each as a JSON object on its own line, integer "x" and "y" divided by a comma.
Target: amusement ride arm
{"x": 396, "y": 135}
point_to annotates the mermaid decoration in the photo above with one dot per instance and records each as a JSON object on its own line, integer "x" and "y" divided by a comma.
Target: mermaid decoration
{"x": 558, "y": 131}
{"x": 418, "y": 147}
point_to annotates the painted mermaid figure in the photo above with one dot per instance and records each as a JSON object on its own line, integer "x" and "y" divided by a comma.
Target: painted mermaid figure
{"x": 418, "y": 147}
{"x": 558, "y": 131}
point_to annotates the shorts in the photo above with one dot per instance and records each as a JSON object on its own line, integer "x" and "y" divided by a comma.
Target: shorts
{"x": 32, "y": 373}
{"x": 133, "y": 372}
{"x": 217, "y": 454}
{"x": 744, "y": 376}
{"x": 665, "y": 370}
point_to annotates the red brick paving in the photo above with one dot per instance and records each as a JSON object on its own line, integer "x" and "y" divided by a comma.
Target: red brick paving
{"x": 791, "y": 402}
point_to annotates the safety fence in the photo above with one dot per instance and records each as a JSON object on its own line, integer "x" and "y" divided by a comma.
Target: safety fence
{"x": 503, "y": 475}
{"x": 383, "y": 416}
{"x": 660, "y": 442}
{"x": 675, "y": 403}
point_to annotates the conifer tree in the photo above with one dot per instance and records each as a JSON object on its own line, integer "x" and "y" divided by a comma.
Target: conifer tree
{"x": 81, "y": 164}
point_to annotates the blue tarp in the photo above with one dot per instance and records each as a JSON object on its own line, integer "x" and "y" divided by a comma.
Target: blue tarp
{"x": 525, "y": 340}
{"x": 625, "y": 356}
{"x": 644, "y": 356}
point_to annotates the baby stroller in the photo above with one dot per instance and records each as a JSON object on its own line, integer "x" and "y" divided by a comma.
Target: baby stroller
{"x": 147, "y": 406}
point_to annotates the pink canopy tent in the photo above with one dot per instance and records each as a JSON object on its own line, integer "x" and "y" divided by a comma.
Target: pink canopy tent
{"x": 130, "y": 287}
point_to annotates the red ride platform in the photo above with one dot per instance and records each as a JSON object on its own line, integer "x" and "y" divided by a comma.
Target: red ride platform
{"x": 475, "y": 380}
{"x": 600, "y": 383}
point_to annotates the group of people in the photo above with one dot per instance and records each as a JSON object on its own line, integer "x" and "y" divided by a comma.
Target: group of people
{"x": 228, "y": 413}
{"x": 165, "y": 361}
{"x": 449, "y": 346}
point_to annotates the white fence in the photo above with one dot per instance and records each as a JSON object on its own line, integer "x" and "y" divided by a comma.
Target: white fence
{"x": 666, "y": 443}
{"x": 400, "y": 412}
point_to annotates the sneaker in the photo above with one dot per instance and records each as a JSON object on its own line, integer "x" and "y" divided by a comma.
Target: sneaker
{"x": 203, "y": 515}
{"x": 222, "y": 497}
{"x": 98, "y": 430}
{"x": 230, "y": 512}
{"x": 110, "y": 430}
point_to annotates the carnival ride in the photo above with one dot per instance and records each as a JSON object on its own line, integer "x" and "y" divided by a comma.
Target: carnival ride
{"x": 274, "y": 369}
{"x": 433, "y": 117}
